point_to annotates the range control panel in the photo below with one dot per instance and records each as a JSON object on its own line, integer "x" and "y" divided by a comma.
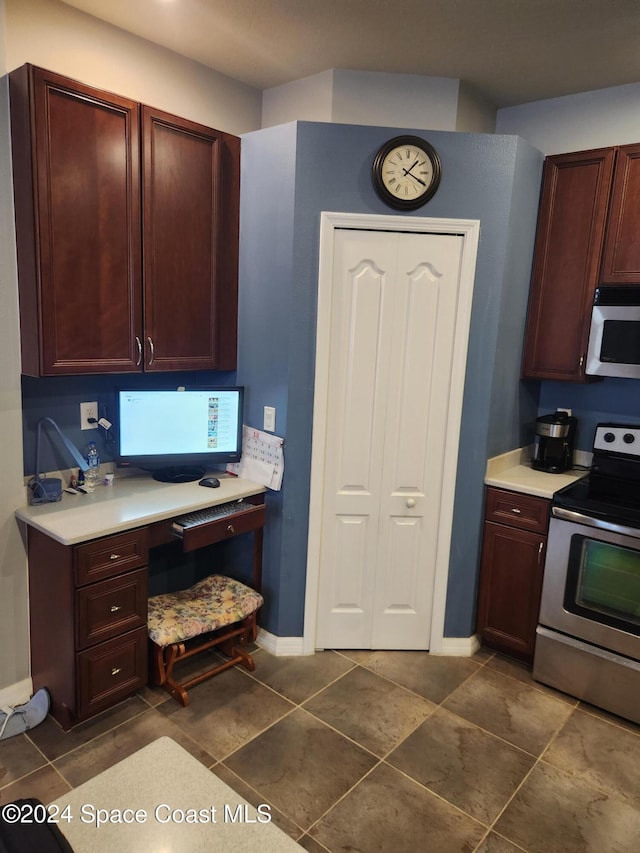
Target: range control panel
{"x": 618, "y": 438}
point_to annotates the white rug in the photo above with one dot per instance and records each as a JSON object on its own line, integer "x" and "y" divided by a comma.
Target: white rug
{"x": 163, "y": 800}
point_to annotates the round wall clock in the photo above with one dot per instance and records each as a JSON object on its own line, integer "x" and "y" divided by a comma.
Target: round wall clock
{"x": 406, "y": 172}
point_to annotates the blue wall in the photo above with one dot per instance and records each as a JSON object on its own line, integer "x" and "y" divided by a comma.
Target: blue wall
{"x": 290, "y": 174}
{"x": 614, "y": 400}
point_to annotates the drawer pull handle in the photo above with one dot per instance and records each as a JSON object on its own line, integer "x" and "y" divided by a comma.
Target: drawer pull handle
{"x": 516, "y": 510}
{"x": 231, "y": 528}
{"x": 115, "y": 557}
{"x": 115, "y": 670}
{"x": 115, "y": 608}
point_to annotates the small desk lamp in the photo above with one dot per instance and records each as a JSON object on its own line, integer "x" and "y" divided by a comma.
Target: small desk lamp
{"x": 45, "y": 490}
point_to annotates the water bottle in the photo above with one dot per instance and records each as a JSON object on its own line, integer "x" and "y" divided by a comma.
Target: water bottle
{"x": 93, "y": 460}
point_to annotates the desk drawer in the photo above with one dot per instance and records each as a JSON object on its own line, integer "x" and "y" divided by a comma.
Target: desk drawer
{"x": 108, "y": 608}
{"x": 111, "y": 671}
{"x": 526, "y": 512}
{"x": 224, "y": 528}
{"x": 110, "y": 556}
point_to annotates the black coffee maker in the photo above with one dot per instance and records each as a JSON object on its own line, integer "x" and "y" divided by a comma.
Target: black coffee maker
{"x": 554, "y": 443}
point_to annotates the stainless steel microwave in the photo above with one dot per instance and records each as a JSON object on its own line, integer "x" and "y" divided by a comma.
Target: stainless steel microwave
{"x": 614, "y": 339}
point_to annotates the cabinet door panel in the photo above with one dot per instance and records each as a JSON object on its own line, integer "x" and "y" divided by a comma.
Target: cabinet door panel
{"x": 569, "y": 240}
{"x": 510, "y": 588}
{"x": 184, "y": 202}
{"x": 84, "y": 186}
{"x": 621, "y": 263}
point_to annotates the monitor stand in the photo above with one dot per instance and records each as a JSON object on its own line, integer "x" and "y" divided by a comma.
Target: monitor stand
{"x": 179, "y": 474}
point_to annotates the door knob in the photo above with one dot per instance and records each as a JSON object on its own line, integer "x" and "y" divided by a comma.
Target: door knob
{"x": 411, "y": 502}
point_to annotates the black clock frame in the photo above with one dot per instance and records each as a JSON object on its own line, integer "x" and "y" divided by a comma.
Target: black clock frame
{"x": 376, "y": 172}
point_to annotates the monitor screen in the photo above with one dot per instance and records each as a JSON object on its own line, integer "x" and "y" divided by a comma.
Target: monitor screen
{"x": 178, "y": 434}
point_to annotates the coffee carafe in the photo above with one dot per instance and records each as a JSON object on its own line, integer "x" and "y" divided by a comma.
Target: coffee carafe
{"x": 554, "y": 443}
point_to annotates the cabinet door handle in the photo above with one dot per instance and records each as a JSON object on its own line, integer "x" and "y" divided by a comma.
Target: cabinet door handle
{"x": 152, "y": 350}
{"x": 115, "y": 670}
{"x": 540, "y": 550}
{"x": 231, "y": 528}
{"x": 139, "y": 345}
{"x": 114, "y": 556}
{"x": 115, "y": 608}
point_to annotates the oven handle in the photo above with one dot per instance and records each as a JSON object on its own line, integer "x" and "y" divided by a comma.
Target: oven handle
{"x": 589, "y": 521}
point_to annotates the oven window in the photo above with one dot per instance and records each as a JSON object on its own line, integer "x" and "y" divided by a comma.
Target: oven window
{"x": 603, "y": 583}
{"x": 620, "y": 342}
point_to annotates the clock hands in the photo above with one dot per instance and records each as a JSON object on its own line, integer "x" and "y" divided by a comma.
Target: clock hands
{"x": 410, "y": 174}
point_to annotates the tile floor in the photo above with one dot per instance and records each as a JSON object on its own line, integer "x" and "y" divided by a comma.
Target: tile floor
{"x": 378, "y": 751}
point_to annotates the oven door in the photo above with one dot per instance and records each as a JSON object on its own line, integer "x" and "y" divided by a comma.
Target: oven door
{"x": 591, "y": 587}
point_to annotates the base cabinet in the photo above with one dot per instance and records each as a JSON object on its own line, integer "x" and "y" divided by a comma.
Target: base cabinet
{"x": 88, "y": 616}
{"x": 513, "y": 551}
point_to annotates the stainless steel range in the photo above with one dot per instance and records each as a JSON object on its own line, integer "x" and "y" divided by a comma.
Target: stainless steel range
{"x": 588, "y": 639}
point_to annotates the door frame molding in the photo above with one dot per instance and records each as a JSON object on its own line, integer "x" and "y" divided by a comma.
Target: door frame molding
{"x": 330, "y": 222}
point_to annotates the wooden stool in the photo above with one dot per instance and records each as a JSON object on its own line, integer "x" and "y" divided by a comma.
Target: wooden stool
{"x": 219, "y": 609}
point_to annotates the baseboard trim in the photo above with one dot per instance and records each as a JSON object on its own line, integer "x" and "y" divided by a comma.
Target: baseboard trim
{"x": 280, "y": 646}
{"x": 16, "y": 694}
{"x": 459, "y": 646}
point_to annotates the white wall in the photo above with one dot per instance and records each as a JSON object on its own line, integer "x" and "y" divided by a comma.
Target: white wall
{"x": 14, "y": 627}
{"x": 595, "y": 119}
{"x": 60, "y": 38}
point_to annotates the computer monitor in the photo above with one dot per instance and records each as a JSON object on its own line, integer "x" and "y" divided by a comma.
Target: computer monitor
{"x": 178, "y": 434}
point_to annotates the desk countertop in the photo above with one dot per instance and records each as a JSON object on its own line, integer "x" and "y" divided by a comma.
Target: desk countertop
{"x": 131, "y": 502}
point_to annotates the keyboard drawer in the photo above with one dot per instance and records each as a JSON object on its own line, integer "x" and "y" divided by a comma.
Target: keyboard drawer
{"x": 244, "y": 521}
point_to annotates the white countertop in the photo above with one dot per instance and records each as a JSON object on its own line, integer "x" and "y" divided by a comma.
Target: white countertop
{"x": 513, "y": 471}
{"x": 131, "y": 502}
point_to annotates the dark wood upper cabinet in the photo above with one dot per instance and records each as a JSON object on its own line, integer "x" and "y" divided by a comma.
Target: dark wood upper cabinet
{"x": 127, "y": 233}
{"x": 566, "y": 265}
{"x": 190, "y": 242}
{"x": 621, "y": 261}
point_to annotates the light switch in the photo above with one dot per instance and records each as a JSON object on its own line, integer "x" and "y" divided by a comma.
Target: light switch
{"x": 269, "y": 418}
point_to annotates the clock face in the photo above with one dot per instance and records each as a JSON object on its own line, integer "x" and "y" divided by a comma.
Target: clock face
{"x": 406, "y": 172}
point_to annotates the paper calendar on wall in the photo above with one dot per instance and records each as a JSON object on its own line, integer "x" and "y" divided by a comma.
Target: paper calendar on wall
{"x": 262, "y": 458}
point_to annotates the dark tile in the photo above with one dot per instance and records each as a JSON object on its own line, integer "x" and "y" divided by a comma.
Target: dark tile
{"x": 557, "y": 812}
{"x": 494, "y": 843}
{"x": 601, "y": 753}
{"x": 115, "y": 745}
{"x": 227, "y": 711}
{"x": 431, "y": 676}
{"x": 374, "y": 712}
{"x": 520, "y": 714}
{"x": 301, "y": 766}
{"x": 54, "y": 741}
{"x": 247, "y": 792}
{"x": 18, "y": 756}
{"x": 311, "y": 845}
{"x": 45, "y": 784}
{"x": 523, "y": 672}
{"x": 388, "y": 812}
{"x": 465, "y": 765}
{"x": 297, "y": 678}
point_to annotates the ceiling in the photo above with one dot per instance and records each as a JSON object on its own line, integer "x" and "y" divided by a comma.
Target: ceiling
{"x": 509, "y": 51}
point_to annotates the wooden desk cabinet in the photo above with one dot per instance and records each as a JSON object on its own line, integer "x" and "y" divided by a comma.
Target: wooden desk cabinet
{"x": 511, "y": 570}
{"x": 88, "y": 609}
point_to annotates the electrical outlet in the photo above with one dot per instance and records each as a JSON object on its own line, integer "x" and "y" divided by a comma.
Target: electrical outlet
{"x": 269, "y": 418}
{"x": 88, "y": 410}
{"x": 568, "y": 411}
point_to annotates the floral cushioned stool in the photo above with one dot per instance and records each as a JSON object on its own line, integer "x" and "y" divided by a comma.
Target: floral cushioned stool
{"x": 219, "y": 609}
